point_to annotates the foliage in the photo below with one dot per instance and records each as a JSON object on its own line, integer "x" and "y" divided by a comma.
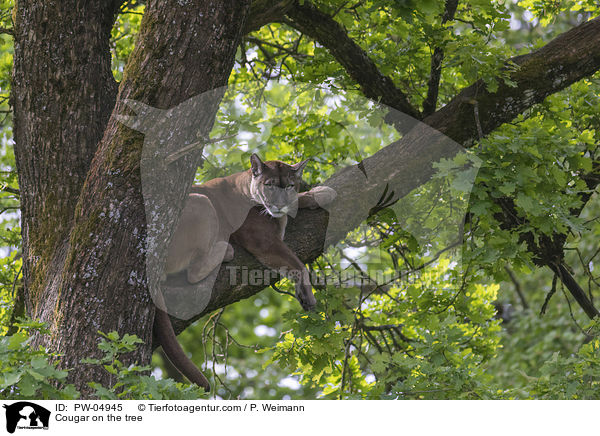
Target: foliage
{"x": 570, "y": 378}
{"x": 397, "y": 343}
{"x": 538, "y": 160}
{"x": 131, "y": 382}
{"x": 123, "y": 35}
{"x": 28, "y": 373}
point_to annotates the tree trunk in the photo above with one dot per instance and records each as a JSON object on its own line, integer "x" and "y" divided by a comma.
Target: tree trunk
{"x": 63, "y": 94}
{"x": 83, "y": 212}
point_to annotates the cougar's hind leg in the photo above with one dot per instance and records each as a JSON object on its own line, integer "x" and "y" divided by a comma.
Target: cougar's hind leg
{"x": 229, "y": 252}
{"x": 202, "y": 265}
{"x": 194, "y": 240}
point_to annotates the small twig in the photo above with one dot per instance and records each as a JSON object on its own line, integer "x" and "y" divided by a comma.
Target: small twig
{"x": 477, "y": 121}
{"x": 387, "y": 345}
{"x": 284, "y": 49}
{"x": 513, "y": 278}
{"x": 358, "y": 348}
{"x": 276, "y": 289}
{"x": 8, "y": 208}
{"x": 460, "y": 291}
{"x": 549, "y": 296}
{"x": 357, "y": 316}
{"x": 345, "y": 366}
{"x": 215, "y": 342}
{"x": 562, "y": 288}
{"x": 206, "y": 335}
{"x": 337, "y": 11}
{"x": 14, "y": 285}
{"x": 579, "y": 294}
{"x": 395, "y": 328}
{"x": 194, "y": 146}
{"x": 235, "y": 341}
{"x": 371, "y": 340}
{"x": 11, "y": 190}
{"x": 470, "y": 23}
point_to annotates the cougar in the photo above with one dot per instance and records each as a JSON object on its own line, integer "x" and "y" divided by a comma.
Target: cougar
{"x": 250, "y": 209}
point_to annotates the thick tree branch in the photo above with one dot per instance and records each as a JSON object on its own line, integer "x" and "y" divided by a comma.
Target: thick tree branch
{"x": 406, "y": 164}
{"x": 263, "y": 12}
{"x": 547, "y": 250}
{"x": 433, "y": 85}
{"x": 563, "y": 61}
{"x": 326, "y": 31}
{"x": 576, "y": 291}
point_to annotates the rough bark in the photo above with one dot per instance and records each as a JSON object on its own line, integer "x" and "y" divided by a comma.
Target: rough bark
{"x": 263, "y": 12}
{"x": 94, "y": 278}
{"x": 63, "y": 92}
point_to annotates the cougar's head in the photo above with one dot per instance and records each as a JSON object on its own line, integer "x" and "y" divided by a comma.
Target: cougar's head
{"x": 275, "y": 185}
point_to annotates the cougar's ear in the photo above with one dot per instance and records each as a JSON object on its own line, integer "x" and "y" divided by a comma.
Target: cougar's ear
{"x": 300, "y": 166}
{"x": 256, "y": 164}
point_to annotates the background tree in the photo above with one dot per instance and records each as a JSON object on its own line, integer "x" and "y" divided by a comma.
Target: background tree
{"x": 524, "y": 102}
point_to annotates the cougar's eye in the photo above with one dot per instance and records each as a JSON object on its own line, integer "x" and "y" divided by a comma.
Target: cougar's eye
{"x": 290, "y": 186}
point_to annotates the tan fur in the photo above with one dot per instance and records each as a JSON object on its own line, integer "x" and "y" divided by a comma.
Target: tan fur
{"x": 249, "y": 208}
{"x": 213, "y": 211}
{"x": 224, "y": 207}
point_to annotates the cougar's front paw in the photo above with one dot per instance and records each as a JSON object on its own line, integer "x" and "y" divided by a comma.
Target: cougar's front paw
{"x": 305, "y": 296}
{"x": 323, "y": 195}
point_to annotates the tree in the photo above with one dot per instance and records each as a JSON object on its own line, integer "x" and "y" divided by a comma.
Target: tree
{"x": 84, "y": 268}
{"x": 91, "y": 163}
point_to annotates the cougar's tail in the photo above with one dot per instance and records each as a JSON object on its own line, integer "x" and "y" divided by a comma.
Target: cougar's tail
{"x": 163, "y": 329}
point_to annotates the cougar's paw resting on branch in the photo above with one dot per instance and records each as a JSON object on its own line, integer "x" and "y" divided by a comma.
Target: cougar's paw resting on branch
{"x": 318, "y": 196}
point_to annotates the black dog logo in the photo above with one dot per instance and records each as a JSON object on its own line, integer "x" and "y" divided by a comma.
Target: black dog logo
{"x": 29, "y": 415}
